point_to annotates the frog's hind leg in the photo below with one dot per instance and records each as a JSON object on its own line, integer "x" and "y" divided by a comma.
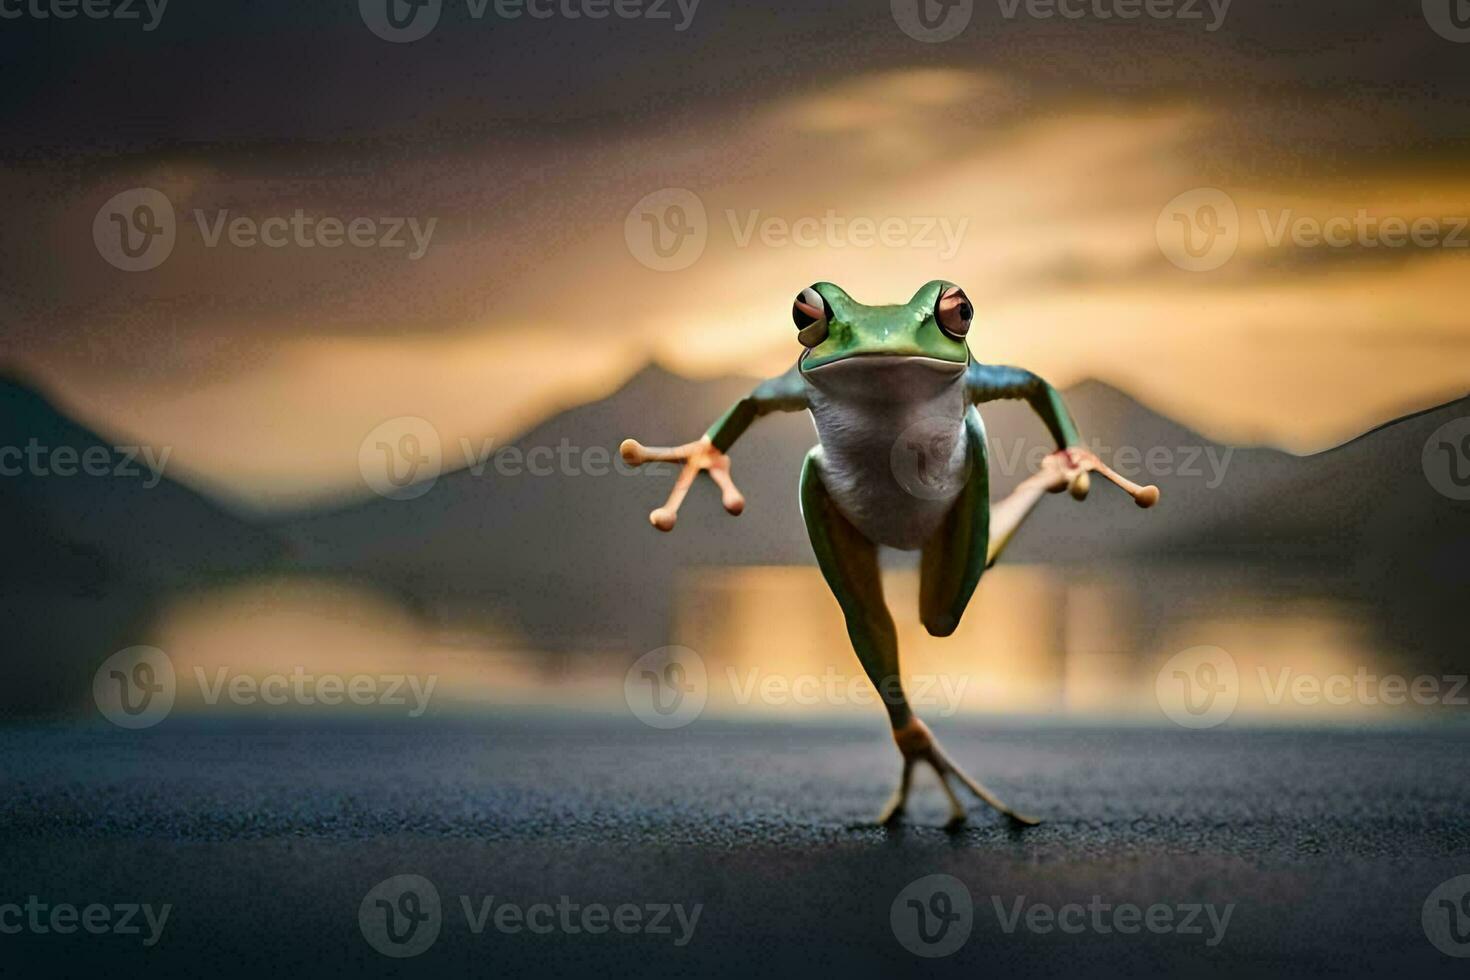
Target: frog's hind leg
{"x": 849, "y": 562}
{"x": 951, "y": 566}
{"x": 956, "y": 556}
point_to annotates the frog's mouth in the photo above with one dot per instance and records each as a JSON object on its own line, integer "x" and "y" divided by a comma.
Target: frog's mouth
{"x": 886, "y": 376}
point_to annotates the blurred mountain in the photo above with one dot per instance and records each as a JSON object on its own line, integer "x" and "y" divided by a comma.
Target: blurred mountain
{"x": 569, "y": 561}
{"x": 572, "y": 560}
{"x": 79, "y": 505}
{"x": 94, "y": 539}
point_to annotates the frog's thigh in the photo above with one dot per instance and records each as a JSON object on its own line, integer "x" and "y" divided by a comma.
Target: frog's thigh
{"x": 954, "y": 558}
{"x": 849, "y": 562}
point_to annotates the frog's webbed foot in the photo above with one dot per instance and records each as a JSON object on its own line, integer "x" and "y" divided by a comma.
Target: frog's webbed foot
{"x": 698, "y": 455}
{"x": 917, "y": 744}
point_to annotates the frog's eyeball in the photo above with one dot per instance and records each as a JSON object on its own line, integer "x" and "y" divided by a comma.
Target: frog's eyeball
{"x": 811, "y": 314}
{"x": 954, "y": 312}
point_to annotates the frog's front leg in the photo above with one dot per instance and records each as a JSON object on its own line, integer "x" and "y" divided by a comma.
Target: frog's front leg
{"x": 786, "y": 393}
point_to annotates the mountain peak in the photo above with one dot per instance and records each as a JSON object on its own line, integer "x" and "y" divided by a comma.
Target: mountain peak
{"x": 17, "y": 383}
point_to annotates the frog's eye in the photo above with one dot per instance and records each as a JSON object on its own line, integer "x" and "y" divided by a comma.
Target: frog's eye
{"x": 811, "y": 315}
{"x": 954, "y": 312}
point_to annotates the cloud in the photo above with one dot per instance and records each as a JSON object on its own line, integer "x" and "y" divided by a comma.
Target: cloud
{"x": 1042, "y": 203}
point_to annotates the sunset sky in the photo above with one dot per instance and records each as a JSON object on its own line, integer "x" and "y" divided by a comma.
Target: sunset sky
{"x": 1033, "y": 162}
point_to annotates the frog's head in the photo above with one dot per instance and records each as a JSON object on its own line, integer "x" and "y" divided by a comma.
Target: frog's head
{"x": 847, "y": 342}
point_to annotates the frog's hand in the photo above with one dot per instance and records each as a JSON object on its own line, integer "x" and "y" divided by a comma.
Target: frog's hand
{"x": 1144, "y": 497}
{"x": 1073, "y": 464}
{"x": 698, "y": 455}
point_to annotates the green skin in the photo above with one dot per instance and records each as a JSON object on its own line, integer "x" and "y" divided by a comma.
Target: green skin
{"x": 907, "y": 342}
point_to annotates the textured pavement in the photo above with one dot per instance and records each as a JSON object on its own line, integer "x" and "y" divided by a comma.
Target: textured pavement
{"x": 1255, "y": 853}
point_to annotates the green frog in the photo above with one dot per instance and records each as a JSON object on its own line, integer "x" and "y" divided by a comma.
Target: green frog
{"x": 902, "y": 463}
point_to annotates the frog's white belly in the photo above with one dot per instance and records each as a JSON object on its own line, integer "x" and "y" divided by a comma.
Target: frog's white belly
{"x": 894, "y": 451}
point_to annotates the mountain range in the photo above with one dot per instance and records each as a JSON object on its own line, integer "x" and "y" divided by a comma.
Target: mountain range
{"x": 569, "y": 562}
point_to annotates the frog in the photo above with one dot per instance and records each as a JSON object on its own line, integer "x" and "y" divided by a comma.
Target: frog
{"x": 901, "y": 463}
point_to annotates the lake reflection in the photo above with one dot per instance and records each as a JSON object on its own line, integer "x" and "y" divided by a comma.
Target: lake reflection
{"x": 1035, "y": 642}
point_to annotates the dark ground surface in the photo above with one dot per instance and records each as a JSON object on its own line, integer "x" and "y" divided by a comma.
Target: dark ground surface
{"x": 265, "y": 839}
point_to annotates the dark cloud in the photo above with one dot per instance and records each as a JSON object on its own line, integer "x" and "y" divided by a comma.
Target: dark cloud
{"x": 233, "y": 78}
